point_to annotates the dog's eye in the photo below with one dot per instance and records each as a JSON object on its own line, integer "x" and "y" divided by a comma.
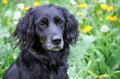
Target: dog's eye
{"x": 43, "y": 23}
{"x": 58, "y": 21}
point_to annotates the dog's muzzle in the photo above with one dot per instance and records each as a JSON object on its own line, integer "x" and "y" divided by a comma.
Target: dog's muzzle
{"x": 54, "y": 43}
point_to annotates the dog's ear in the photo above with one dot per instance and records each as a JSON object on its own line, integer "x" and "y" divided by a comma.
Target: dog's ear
{"x": 71, "y": 27}
{"x": 25, "y": 29}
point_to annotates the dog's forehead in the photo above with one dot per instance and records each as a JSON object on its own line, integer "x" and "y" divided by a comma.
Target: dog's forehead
{"x": 49, "y": 11}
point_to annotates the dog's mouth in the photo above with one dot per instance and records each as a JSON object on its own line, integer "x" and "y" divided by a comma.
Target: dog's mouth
{"x": 52, "y": 43}
{"x": 51, "y": 47}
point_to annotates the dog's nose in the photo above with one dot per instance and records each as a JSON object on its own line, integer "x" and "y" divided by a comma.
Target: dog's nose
{"x": 56, "y": 40}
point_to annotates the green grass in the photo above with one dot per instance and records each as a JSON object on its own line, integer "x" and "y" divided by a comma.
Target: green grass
{"x": 97, "y": 53}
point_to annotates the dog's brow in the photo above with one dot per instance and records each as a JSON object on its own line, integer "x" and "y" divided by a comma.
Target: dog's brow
{"x": 59, "y": 17}
{"x": 44, "y": 19}
{"x": 39, "y": 19}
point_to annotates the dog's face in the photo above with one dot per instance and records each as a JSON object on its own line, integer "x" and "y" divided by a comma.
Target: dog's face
{"x": 49, "y": 27}
{"x": 53, "y": 27}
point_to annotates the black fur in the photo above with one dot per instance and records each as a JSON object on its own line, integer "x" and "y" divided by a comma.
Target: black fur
{"x": 35, "y": 60}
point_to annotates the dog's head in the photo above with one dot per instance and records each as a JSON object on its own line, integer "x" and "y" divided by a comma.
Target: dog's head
{"x": 50, "y": 26}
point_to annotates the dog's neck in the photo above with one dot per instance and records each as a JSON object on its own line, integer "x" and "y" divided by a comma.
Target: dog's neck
{"x": 41, "y": 58}
{"x": 51, "y": 58}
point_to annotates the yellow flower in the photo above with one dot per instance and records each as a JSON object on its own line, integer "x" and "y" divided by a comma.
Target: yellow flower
{"x": 27, "y": 8}
{"x": 104, "y": 6}
{"x": 48, "y": 1}
{"x": 36, "y": 4}
{"x": 112, "y": 18}
{"x": 110, "y": 8}
{"x": 80, "y": 13}
{"x": 108, "y": 17}
{"x": 98, "y": 11}
{"x": 87, "y": 29}
{"x": 94, "y": 1}
{"x": 82, "y": 5}
{"x": 4, "y": 1}
{"x": 115, "y": 18}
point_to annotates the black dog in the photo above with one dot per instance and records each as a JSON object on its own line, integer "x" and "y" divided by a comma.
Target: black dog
{"x": 44, "y": 34}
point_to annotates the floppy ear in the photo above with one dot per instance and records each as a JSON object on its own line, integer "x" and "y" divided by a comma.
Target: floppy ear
{"x": 25, "y": 29}
{"x": 71, "y": 28}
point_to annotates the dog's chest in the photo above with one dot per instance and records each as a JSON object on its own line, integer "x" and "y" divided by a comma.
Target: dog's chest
{"x": 56, "y": 68}
{"x": 46, "y": 72}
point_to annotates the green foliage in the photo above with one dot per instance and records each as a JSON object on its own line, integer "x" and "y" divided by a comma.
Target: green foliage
{"x": 96, "y": 54}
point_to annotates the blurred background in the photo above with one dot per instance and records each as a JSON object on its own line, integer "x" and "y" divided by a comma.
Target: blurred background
{"x": 97, "y": 53}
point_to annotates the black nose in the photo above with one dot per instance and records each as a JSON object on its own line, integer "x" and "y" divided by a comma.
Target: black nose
{"x": 56, "y": 40}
